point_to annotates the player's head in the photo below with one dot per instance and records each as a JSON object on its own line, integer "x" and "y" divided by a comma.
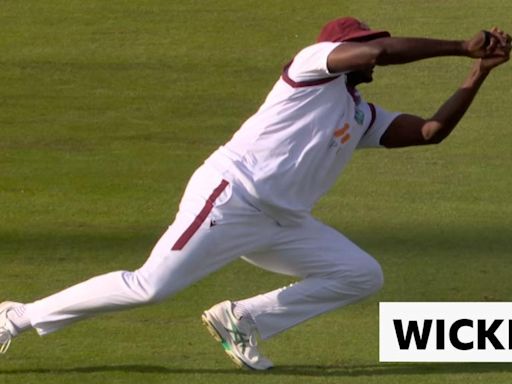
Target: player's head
{"x": 349, "y": 29}
{"x": 352, "y": 30}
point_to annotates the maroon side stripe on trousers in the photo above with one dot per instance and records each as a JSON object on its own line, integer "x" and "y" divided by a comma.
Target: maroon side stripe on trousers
{"x": 200, "y": 218}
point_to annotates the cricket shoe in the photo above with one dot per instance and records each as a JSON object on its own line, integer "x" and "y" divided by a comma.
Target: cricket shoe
{"x": 237, "y": 336}
{"x": 6, "y": 329}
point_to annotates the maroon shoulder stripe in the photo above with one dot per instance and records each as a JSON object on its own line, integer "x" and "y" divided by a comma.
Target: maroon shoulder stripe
{"x": 374, "y": 116}
{"x": 200, "y": 218}
{"x": 302, "y": 84}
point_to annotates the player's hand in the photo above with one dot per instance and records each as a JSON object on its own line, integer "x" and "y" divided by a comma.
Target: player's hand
{"x": 493, "y": 43}
{"x": 487, "y": 63}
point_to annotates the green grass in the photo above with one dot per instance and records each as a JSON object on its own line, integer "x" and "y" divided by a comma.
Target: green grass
{"x": 106, "y": 108}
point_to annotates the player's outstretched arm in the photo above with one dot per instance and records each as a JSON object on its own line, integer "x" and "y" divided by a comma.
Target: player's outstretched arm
{"x": 407, "y": 130}
{"x": 349, "y": 57}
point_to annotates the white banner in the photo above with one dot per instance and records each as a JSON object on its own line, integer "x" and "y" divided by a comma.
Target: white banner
{"x": 444, "y": 332}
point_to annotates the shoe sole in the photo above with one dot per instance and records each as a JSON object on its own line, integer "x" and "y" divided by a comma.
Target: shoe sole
{"x": 225, "y": 345}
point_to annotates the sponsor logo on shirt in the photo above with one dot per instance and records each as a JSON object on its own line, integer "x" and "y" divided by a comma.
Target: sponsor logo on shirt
{"x": 340, "y": 137}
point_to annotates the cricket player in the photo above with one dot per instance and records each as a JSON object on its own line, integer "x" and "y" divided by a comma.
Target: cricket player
{"x": 252, "y": 197}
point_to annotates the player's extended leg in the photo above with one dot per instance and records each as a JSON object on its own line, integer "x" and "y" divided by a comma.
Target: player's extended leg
{"x": 206, "y": 234}
{"x": 335, "y": 273}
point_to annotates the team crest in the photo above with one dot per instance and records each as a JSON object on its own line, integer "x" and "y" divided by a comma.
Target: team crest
{"x": 359, "y": 116}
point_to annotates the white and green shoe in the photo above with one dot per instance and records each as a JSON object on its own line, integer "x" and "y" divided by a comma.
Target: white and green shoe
{"x": 237, "y": 336}
{"x": 6, "y": 328}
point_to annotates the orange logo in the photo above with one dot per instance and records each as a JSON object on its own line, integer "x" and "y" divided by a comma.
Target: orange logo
{"x": 342, "y": 132}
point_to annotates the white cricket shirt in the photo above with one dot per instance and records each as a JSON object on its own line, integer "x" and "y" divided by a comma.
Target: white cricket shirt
{"x": 292, "y": 150}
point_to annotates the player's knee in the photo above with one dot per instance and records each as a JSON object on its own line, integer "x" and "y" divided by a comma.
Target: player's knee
{"x": 154, "y": 297}
{"x": 374, "y": 277}
{"x": 144, "y": 290}
{"x": 364, "y": 277}
{"x": 154, "y": 294}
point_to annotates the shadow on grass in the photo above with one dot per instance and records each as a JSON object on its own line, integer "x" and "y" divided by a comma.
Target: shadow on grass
{"x": 287, "y": 370}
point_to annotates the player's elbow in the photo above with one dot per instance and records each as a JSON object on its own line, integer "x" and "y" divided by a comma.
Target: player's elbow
{"x": 436, "y": 139}
{"x": 383, "y": 58}
{"x": 376, "y": 55}
{"x": 385, "y": 54}
{"x": 434, "y": 132}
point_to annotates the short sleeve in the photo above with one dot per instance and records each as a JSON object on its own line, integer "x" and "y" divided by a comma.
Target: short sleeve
{"x": 311, "y": 63}
{"x": 381, "y": 119}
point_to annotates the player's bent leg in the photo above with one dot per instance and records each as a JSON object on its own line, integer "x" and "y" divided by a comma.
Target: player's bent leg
{"x": 281, "y": 309}
{"x": 276, "y": 311}
{"x": 335, "y": 273}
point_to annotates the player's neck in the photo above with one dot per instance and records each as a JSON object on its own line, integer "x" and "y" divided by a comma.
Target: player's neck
{"x": 353, "y": 80}
{"x": 358, "y": 77}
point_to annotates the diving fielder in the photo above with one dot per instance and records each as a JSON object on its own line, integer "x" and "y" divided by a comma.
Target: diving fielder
{"x": 252, "y": 198}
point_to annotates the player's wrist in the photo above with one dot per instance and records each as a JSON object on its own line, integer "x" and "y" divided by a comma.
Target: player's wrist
{"x": 477, "y": 74}
{"x": 465, "y": 47}
{"x": 480, "y": 70}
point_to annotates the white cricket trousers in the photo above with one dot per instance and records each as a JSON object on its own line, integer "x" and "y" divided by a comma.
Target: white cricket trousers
{"x": 214, "y": 226}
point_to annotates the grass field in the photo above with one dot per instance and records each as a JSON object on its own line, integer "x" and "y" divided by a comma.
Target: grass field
{"x": 106, "y": 108}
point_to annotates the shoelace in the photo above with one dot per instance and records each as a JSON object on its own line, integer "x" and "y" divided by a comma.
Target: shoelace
{"x": 244, "y": 339}
{"x": 5, "y": 340}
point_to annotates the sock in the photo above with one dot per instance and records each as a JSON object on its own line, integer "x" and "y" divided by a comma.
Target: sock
{"x": 19, "y": 320}
{"x": 240, "y": 310}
